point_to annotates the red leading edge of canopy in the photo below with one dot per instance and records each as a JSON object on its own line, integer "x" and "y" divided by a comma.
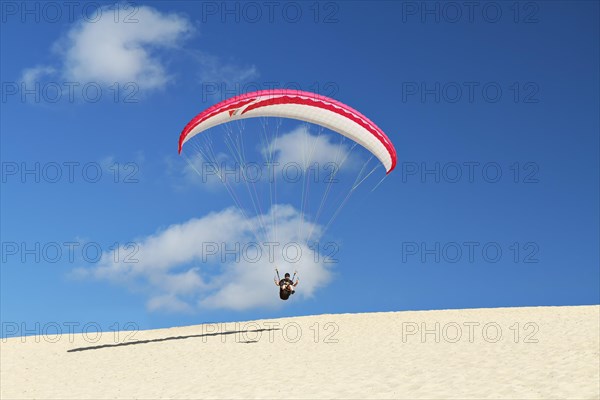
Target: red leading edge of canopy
{"x": 287, "y": 96}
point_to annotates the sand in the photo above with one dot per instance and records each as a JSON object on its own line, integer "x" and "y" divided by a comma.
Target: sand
{"x": 528, "y": 353}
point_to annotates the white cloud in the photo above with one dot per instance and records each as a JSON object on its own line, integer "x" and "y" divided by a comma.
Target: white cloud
{"x": 302, "y": 148}
{"x": 106, "y": 51}
{"x": 190, "y": 266}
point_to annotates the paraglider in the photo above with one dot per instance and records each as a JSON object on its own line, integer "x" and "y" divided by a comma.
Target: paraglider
{"x": 286, "y": 285}
{"x": 269, "y": 202}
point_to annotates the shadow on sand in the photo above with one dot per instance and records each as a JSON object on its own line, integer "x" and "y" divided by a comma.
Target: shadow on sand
{"x": 104, "y": 346}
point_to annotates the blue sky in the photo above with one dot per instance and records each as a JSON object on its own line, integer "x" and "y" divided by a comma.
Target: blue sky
{"x": 515, "y": 93}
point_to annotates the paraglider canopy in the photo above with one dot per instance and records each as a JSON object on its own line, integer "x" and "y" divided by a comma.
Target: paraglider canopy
{"x": 299, "y": 105}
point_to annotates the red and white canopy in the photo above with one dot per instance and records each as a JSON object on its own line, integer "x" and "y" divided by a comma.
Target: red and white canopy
{"x": 303, "y": 106}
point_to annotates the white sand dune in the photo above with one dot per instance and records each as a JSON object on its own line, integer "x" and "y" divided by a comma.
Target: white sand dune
{"x": 528, "y": 353}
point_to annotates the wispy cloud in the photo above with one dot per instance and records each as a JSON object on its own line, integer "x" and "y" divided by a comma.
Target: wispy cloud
{"x": 184, "y": 173}
{"x": 29, "y": 76}
{"x": 215, "y": 69}
{"x": 131, "y": 51}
